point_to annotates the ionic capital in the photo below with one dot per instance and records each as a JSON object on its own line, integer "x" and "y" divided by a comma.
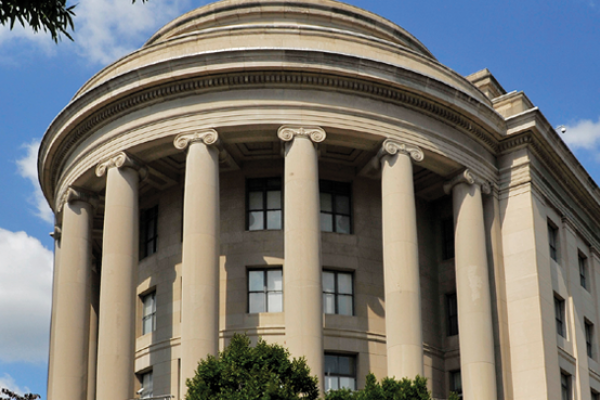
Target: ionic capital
{"x": 470, "y": 179}
{"x": 56, "y": 233}
{"x": 208, "y": 137}
{"x": 391, "y": 147}
{"x": 121, "y": 160}
{"x": 288, "y": 133}
{"x": 73, "y": 194}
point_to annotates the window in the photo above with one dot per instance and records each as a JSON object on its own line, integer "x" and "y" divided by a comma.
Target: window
{"x": 264, "y": 204}
{"x": 265, "y": 291}
{"x": 148, "y": 231}
{"x": 559, "y": 314}
{"x": 565, "y": 386}
{"x": 448, "y": 238}
{"x": 340, "y": 372}
{"x": 452, "y": 314}
{"x": 149, "y": 313}
{"x": 456, "y": 383}
{"x": 553, "y": 241}
{"x": 589, "y": 338}
{"x": 583, "y": 271}
{"x": 336, "y": 206}
{"x": 595, "y": 395}
{"x": 338, "y": 293}
{"x": 147, "y": 390}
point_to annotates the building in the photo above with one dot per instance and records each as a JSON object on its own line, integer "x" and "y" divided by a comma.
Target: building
{"x": 306, "y": 171}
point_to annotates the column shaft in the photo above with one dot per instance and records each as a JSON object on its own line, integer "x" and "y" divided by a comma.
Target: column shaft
{"x": 302, "y": 270}
{"x": 476, "y": 337}
{"x": 116, "y": 333}
{"x": 55, "y": 278}
{"x": 201, "y": 252}
{"x": 401, "y": 268}
{"x": 70, "y": 330}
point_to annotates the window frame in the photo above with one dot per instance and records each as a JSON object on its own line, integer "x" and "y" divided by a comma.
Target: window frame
{"x": 452, "y": 381}
{"x": 146, "y": 216}
{"x": 338, "y": 374}
{"x": 589, "y": 337}
{"x": 565, "y": 386}
{"x": 451, "y": 319}
{"x": 262, "y": 186}
{"x": 152, "y": 314}
{"x": 336, "y": 292}
{"x": 553, "y": 241}
{"x": 336, "y": 189}
{"x": 583, "y": 271}
{"x": 141, "y": 377}
{"x": 265, "y": 290}
{"x": 559, "y": 315}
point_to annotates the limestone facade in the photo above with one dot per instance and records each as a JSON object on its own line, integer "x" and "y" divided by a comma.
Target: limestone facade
{"x": 307, "y": 172}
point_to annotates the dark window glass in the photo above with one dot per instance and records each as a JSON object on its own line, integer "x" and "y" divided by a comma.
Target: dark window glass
{"x": 589, "y": 338}
{"x": 448, "y": 238}
{"x": 452, "y": 313}
{"x": 595, "y": 396}
{"x": 148, "y": 231}
{"x": 565, "y": 386}
{"x": 553, "y": 241}
{"x": 265, "y": 291}
{"x": 264, "y": 204}
{"x": 340, "y": 372}
{"x": 456, "y": 383}
{"x": 338, "y": 293}
{"x": 336, "y": 206}
{"x": 559, "y": 314}
{"x": 583, "y": 271}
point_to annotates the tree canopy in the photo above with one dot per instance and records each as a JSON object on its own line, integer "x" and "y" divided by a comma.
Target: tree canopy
{"x": 10, "y": 395}
{"x": 51, "y": 16}
{"x": 388, "y": 389}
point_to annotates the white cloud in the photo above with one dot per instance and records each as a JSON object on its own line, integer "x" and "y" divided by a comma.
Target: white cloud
{"x": 25, "y": 296}
{"x": 8, "y": 382}
{"x": 28, "y": 169}
{"x": 584, "y": 134}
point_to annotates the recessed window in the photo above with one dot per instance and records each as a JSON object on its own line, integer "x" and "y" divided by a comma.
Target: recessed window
{"x": 583, "y": 271}
{"x": 338, "y": 293}
{"x": 265, "y": 290}
{"x": 456, "y": 383}
{"x": 589, "y": 338}
{"x": 147, "y": 389}
{"x": 452, "y": 314}
{"x": 148, "y": 231}
{"x": 149, "y": 313}
{"x": 559, "y": 314}
{"x": 448, "y": 238}
{"x": 340, "y": 372}
{"x": 565, "y": 386}
{"x": 336, "y": 206}
{"x": 595, "y": 395}
{"x": 264, "y": 204}
{"x": 553, "y": 241}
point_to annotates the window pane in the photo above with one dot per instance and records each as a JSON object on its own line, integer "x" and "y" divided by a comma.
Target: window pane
{"x": 342, "y": 224}
{"x": 345, "y": 305}
{"x": 257, "y": 303}
{"x": 256, "y": 281}
{"x": 346, "y": 365}
{"x": 149, "y": 304}
{"x": 326, "y": 222}
{"x": 342, "y": 205}
{"x": 274, "y": 200}
{"x": 255, "y": 221}
{"x": 344, "y": 283}
{"x": 274, "y": 280}
{"x": 328, "y": 303}
{"x": 329, "y": 282}
{"x": 255, "y": 201}
{"x": 331, "y": 383}
{"x": 326, "y": 202}
{"x": 273, "y": 219}
{"x": 348, "y": 383}
{"x": 331, "y": 364}
{"x": 275, "y": 302}
{"x": 150, "y": 229}
{"x": 148, "y": 325}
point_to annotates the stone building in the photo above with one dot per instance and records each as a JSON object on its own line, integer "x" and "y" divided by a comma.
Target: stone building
{"x": 308, "y": 172}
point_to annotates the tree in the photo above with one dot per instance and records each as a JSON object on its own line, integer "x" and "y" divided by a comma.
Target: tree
{"x": 388, "y": 389}
{"x": 242, "y": 372}
{"x": 14, "y": 396}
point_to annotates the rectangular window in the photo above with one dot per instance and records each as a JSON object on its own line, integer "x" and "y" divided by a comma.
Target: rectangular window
{"x": 452, "y": 314}
{"x": 148, "y": 231}
{"x": 553, "y": 241}
{"x": 338, "y": 293}
{"x": 583, "y": 274}
{"x": 565, "y": 386}
{"x": 265, "y": 291}
{"x": 448, "y": 238}
{"x": 595, "y": 395}
{"x": 336, "y": 206}
{"x": 456, "y": 383}
{"x": 264, "y": 204}
{"x": 559, "y": 314}
{"x": 149, "y": 313}
{"x": 340, "y": 372}
{"x": 147, "y": 389}
{"x": 589, "y": 338}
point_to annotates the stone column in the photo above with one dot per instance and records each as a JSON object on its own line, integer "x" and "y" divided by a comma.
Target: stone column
{"x": 201, "y": 251}
{"x": 70, "y": 330}
{"x": 303, "y": 298}
{"x": 401, "y": 260}
{"x": 56, "y": 235}
{"x": 120, "y": 252}
{"x": 476, "y": 335}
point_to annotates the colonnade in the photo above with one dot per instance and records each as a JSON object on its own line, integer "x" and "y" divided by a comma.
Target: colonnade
{"x": 303, "y": 269}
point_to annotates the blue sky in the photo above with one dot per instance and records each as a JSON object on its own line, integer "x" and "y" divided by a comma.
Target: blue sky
{"x": 548, "y": 49}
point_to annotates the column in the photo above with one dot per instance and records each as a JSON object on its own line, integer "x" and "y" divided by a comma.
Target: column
{"x": 116, "y": 330}
{"x": 401, "y": 260}
{"x": 476, "y": 336}
{"x": 303, "y": 297}
{"x": 56, "y": 235}
{"x": 201, "y": 251}
{"x": 70, "y": 330}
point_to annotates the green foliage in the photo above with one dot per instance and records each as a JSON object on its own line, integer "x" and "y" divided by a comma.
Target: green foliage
{"x": 13, "y": 396}
{"x": 453, "y": 396}
{"x": 242, "y": 372}
{"x": 388, "y": 389}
